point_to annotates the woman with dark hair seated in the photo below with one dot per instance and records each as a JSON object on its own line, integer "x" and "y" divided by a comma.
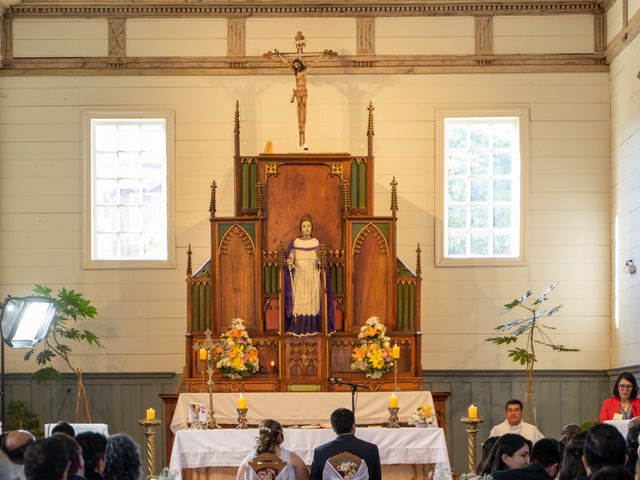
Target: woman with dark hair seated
{"x": 123, "y": 458}
{"x": 571, "y": 466}
{"x": 510, "y": 451}
{"x": 624, "y": 401}
{"x": 269, "y": 439}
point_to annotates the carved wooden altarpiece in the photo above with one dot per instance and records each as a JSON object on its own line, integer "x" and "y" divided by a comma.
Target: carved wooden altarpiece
{"x": 244, "y": 275}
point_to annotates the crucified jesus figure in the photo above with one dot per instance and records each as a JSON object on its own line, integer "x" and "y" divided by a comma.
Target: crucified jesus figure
{"x": 300, "y": 63}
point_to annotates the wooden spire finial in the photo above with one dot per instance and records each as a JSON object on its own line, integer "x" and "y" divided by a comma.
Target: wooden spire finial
{"x": 394, "y": 196}
{"x": 189, "y": 271}
{"x": 418, "y": 261}
{"x": 212, "y": 201}
{"x": 259, "y": 197}
{"x": 236, "y": 122}
{"x": 370, "y": 125}
{"x": 346, "y": 195}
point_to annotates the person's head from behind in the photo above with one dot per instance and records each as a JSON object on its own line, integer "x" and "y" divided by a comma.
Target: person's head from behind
{"x": 15, "y": 444}
{"x": 46, "y": 459}
{"x": 270, "y": 436}
{"x": 632, "y": 445}
{"x": 625, "y": 387}
{"x": 568, "y": 431}
{"x": 547, "y": 452}
{"x": 343, "y": 421}
{"x": 123, "y": 458}
{"x": 613, "y": 472}
{"x": 603, "y": 447}
{"x": 571, "y": 466}
{"x": 510, "y": 451}
{"x": 486, "y": 446}
{"x": 94, "y": 449}
{"x": 74, "y": 452}
{"x": 513, "y": 411}
{"x": 63, "y": 427}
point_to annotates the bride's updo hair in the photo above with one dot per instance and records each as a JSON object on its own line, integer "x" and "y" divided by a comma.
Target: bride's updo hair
{"x": 269, "y": 436}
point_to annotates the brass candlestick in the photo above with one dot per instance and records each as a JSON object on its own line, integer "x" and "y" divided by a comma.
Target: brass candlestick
{"x": 149, "y": 428}
{"x": 209, "y": 345}
{"x": 242, "y": 418}
{"x": 472, "y": 431}
{"x": 393, "y": 418}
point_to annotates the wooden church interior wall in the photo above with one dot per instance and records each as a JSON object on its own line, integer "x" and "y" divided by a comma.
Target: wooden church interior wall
{"x": 625, "y": 148}
{"x": 569, "y": 225}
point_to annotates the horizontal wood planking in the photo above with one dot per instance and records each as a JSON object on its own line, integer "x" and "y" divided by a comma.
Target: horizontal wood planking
{"x": 625, "y": 146}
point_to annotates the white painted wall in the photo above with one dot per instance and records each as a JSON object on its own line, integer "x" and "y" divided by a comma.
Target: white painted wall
{"x": 625, "y": 167}
{"x": 142, "y": 312}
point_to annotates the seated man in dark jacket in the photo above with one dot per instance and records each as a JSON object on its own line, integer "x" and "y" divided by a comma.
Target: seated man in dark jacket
{"x": 545, "y": 460}
{"x": 344, "y": 424}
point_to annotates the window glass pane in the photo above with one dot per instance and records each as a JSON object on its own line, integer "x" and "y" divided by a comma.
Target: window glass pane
{"x": 482, "y": 179}
{"x": 479, "y": 217}
{"x": 457, "y": 217}
{"x": 480, "y": 162}
{"x": 480, "y": 190}
{"x": 457, "y": 245}
{"x": 480, "y": 135}
{"x": 502, "y": 244}
{"x": 479, "y": 244}
{"x": 502, "y": 189}
{"x": 458, "y": 164}
{"x": 457, "y": 136}
{"x": 501, "y": 216}
{"x": 501, "y": 163}
{"x": 458, "y": 190}
{"x": 129, "y": 181}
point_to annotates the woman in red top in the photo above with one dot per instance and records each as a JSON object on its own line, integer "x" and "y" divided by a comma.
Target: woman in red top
{"x": 624, "y": 400}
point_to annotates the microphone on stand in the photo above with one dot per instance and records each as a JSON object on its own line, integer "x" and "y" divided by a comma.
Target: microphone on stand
{"x": 63, "y": 402}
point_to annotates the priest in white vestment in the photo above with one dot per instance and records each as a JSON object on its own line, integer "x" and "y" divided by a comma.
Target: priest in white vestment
{"x": 513, "y": 423}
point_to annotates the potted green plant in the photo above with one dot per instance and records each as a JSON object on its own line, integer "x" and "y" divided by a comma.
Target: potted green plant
{"x": 71, "y": 307}
{"x": 535, "y": 332}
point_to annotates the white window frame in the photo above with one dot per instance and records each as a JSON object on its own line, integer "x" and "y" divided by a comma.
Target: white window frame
{"x": 522, "y": 112}
{"x": 89, "y": 202}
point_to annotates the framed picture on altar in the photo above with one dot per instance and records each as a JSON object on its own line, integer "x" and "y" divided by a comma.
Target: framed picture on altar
{"x": 197, "y": 413}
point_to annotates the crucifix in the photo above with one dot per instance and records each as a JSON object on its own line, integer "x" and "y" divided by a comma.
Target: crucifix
{"x": 300, "y": 63}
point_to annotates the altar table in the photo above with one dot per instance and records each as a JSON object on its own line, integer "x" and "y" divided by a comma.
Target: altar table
{"x": 300, "y": 408}
{"x": 404, "y": 452}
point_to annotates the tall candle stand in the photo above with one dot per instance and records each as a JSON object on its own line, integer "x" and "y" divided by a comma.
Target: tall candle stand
{"x": 395, "y": 374}
{"x": 209, "y": 345}
{"x": 472, "y": 430}
{"x": 149, "y": 428}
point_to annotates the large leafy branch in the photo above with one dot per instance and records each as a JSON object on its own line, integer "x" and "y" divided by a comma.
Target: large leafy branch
{"x": 71, "y": 306}
{"x": 532, "y": 327}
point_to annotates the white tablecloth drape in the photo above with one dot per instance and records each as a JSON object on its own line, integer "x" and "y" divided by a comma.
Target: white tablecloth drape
{"x": 294, "y": 408}
{"x": 227, "y": 447}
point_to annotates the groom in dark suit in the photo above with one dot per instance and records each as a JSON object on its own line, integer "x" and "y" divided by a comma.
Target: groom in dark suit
{"x": 344, "y": 424}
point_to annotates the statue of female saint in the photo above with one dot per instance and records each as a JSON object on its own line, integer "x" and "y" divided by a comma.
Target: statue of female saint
{"x": 302, "y": 284}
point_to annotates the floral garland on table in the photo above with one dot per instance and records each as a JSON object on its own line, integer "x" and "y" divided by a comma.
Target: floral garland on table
{"x": 372, "y": 352}
{"x": 422, "y": 415}
{"x": 236, "y": 356}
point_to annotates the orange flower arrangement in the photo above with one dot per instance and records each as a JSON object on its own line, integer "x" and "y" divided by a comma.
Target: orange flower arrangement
{"x": 372, "y": 352}
{"x": 236, "y": 356}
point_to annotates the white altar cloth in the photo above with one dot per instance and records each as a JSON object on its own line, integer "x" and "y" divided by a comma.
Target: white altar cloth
{"x": 228, "y": 447}
{"x": 300, "y": 408}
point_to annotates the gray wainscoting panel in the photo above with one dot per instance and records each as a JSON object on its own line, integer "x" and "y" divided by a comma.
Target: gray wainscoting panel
{"x": 562, "y": 397}
{"x": 119, "y": 400}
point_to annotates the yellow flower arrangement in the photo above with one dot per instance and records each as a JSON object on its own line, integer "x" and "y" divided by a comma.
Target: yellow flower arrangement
{"x": 372, "y": 352}
{"x": 236, "y": 356}
{"x": 423, "y": 415}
